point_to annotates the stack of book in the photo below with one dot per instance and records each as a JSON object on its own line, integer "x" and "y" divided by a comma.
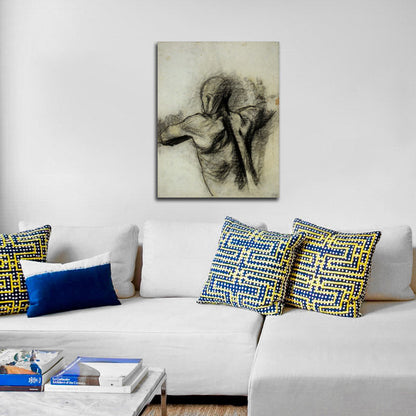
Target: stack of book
{"x": 99, "y": 375}
{"x": 28, "y": 369}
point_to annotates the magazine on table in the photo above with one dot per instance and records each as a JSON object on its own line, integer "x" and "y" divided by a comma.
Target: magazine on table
{"x": 98, "y": 371}
{"x": 27, "y": 367}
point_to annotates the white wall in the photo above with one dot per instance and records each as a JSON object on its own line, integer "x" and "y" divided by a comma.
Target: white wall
{"x": 78, "y": 108}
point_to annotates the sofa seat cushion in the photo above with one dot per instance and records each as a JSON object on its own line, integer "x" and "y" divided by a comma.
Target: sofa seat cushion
{"x": 206, "y": 349}
{"x": 315, "y": 364}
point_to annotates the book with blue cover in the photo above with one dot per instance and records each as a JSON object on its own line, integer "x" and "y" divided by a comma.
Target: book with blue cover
{"x": 27, "y": 367}
{"x": 95, "y": 371}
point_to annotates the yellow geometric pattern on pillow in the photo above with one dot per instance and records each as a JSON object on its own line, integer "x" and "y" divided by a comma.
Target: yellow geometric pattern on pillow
{"x": 250, "y": 269}
{"x": 28, "y": 245}
{"x": 331, "y": 270}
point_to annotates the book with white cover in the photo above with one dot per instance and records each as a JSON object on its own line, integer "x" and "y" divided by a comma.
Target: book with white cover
{"x": 128, "y": 388}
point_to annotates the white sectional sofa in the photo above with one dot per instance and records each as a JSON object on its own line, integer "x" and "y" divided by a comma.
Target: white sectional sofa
{"x": 299, "y": 362}
{"x": 206, "y": 350}
{"x": 315, "y": 364}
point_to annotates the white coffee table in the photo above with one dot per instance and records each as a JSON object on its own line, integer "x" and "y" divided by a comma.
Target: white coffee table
{"x": 87, "y": 404}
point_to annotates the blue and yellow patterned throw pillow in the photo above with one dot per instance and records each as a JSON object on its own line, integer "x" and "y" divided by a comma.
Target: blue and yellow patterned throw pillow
{"x": 29, "y": 245}
{"x": 251, "y": 268}
{"x": 331, "y": 270}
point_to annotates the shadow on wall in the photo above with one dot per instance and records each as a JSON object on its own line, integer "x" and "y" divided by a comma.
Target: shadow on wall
{"x": 138, "y": 270}
{"x": 413, "y": 284}
{"x": 2, "y": 175}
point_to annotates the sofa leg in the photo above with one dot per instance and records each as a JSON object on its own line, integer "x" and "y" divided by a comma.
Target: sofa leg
{"x": 163, "y": 400}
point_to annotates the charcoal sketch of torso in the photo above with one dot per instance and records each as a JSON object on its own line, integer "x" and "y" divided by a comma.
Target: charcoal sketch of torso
{"x": 222, "y": 139}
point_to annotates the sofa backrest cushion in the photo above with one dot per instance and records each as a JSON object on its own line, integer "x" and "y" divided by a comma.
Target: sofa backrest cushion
{"x": 391, "y": 271}
{"x": 177, "y": 257}
{"x": 69, "y": 243}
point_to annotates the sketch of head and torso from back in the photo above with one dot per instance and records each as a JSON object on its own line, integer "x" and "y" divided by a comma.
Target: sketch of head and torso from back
{"x": 225, "y": 139}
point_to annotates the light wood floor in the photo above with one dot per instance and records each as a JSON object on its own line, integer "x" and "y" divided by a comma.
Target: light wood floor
{"x": 198, "y": 410}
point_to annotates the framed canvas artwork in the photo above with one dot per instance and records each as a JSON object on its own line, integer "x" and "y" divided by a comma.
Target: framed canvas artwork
{"x": 218, "y": 120}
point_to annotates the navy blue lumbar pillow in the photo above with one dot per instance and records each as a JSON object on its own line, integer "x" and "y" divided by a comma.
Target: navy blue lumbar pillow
{"x": 70, "y": 289}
